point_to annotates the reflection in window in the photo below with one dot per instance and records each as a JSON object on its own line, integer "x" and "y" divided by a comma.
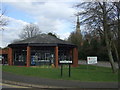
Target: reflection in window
{"x": 42, "y": 57}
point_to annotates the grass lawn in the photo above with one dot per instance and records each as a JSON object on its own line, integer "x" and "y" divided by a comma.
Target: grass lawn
{"x": 81, "y": 73}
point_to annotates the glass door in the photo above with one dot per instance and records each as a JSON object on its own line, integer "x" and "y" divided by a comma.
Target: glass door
{"x": 20, "y": 58}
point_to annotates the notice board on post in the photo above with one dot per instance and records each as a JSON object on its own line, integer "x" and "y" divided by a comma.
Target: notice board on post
{"x": 92, "y": 60}
{"x": 65, "y": 62}
{"x": 62, "y": 62}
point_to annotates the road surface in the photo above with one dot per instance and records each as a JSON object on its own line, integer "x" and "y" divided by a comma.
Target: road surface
{"x": 57, "y": 83}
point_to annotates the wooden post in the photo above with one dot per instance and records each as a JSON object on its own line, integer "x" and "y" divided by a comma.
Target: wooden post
{"x": 69, "y": 70}
{"x": 10, "y": 59}
{"x": 61, "y": 70}
{"x": 56, "y": 56}
{"x": 28, "y": 56}
{"x": 75, "y": 57}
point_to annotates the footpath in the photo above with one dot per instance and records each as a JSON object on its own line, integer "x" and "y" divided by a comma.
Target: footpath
{"x": 52, "y": 83}
{"x": 99, "y": 63}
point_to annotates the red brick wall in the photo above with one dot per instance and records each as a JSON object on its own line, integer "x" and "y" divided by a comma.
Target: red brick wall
{"x": 75, "y": 57}
{"x": 10, "y": 57}
{"x": 56, "y": 56}
{"x": 4, "y": 51}
{"x": 28, "y": 56}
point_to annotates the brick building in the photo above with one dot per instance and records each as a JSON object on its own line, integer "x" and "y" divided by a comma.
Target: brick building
{"x": 42, "y": 49}
{"x": 4, "y": 55}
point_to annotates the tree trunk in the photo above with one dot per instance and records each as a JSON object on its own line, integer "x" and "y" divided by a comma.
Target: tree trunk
{"x": 119, "y": 43}
{"x": 108, "y": 45}
{"x": 107, "y": 40}
{"x": 118, "y": 10}
{"x": 117, "y": 56}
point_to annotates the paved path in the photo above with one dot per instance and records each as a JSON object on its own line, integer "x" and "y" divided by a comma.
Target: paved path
{"x": 100, "y": 63}
{"x": 11, "y": 86}
{"x": 57, "y": 83}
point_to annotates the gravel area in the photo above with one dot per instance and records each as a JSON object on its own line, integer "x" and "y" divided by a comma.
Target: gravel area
{"x": 99, "y": 63}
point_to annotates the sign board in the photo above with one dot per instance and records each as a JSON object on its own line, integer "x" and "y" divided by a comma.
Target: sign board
{"x": 65, "y": 62}
{"x": 92, "y": 60}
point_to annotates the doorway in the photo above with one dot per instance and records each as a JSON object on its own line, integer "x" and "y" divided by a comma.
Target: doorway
{"x": 20, "y": 58}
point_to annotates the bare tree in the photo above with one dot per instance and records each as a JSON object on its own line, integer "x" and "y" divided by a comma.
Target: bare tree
{"x": 117, "y": 5}
{"x": 29, "y": 30}
{"x": 98, "y": 17}
{"x": 3, "y": 20}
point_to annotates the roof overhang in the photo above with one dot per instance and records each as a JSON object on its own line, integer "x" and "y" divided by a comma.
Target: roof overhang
{"x": 41, "y": 44}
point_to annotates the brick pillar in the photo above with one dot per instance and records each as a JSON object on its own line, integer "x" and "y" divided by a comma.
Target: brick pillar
{"x": 28, "y": 56}
{"x": 75, "y": 57}
{"x": 56, "y": 56}
{"x": 10, "y": 57}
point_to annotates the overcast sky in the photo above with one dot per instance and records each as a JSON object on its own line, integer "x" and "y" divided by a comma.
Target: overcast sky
{"x": 50, "y": 16}
{"x": 55, "y": 16}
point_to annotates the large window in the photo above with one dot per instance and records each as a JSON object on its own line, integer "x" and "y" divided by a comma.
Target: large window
{"x": 42, "y": 56}
{"x": 19, "y": 57}
{"x": 64, "y": 54}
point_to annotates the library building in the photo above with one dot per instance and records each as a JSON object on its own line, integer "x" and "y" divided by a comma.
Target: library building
{"x": 40, "y": 50}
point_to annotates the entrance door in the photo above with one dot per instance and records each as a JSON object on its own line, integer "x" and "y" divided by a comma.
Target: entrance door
{"x": 20, "y": 58}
